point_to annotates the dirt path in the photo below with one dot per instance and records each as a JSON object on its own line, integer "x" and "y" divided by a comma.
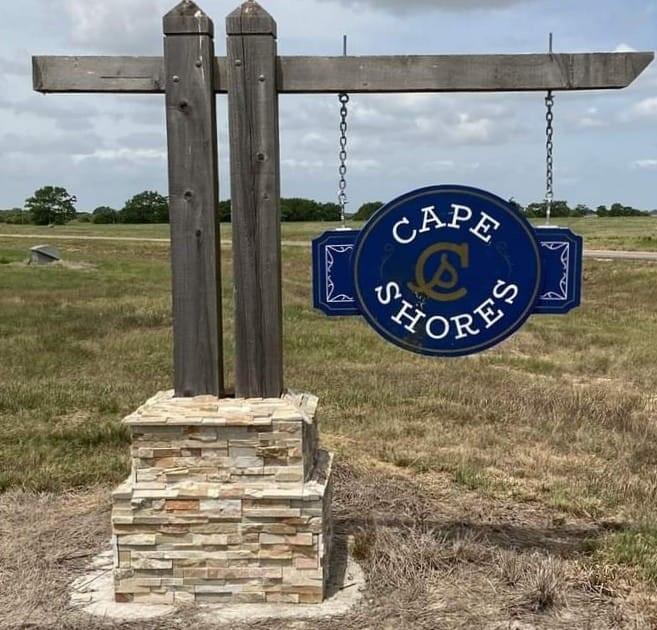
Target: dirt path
{"x": 589, "y": 253}
{"x": 129, "y": 239}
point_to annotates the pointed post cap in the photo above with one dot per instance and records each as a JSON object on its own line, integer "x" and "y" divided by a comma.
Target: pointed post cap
{"x": 187, "y": 18}
{"x": 250, "y": 19}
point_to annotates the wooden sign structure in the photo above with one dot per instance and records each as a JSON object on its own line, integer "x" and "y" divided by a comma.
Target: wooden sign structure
{"x": 254, "y": 75}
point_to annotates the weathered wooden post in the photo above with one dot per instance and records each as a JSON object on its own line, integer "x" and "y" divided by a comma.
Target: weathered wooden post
{"x": 193, "y": 197}
{"x": 255, "y": 195}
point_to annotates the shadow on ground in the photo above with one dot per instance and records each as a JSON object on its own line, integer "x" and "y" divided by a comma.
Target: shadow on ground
{"x": 435, "y": 556}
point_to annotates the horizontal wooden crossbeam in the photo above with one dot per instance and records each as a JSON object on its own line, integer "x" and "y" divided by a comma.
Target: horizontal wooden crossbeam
{"x": 377, "y": 74}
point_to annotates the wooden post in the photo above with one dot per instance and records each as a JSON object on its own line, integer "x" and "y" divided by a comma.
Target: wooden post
{"x": 193, "y": 197}
{"x": 255, "y": 194}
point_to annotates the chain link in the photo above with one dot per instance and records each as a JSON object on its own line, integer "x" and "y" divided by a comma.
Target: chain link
{"x": 549, "y": 148}
{"x": 342, "y": 170}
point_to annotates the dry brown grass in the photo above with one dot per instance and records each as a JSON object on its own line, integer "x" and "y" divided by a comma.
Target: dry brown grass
{"x": 471, "y": 474}
{"x": 432, "y": 562}
{"x": 45, "y": 541}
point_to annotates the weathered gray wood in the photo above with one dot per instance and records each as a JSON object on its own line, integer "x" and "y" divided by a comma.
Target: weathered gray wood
{"x": 255, "y": 195}
{"x": 461, "y": 73}
{"x": 193, "y": 199}
{"x": 446, "y": 73}
{"x": 136, "y": 75}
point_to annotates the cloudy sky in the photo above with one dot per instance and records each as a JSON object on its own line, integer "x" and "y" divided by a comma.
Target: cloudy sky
{"x": 105, "y": 148}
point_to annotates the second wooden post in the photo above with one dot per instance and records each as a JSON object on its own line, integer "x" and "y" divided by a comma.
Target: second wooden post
{"x": 255, "y": 195}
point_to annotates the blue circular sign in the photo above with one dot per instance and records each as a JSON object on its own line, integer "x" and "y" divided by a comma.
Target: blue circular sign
{"x": 447, "y": 270}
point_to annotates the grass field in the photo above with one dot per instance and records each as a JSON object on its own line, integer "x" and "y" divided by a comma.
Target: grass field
{"x": 519, "y": 484}
{"x": 636, "y": 233}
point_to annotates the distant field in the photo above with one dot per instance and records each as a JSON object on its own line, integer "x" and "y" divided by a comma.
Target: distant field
{"x": 607, "y": 233}
{"x": 557, "y": 428}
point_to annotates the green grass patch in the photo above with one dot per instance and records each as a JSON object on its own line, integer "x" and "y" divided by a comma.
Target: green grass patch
{"x": 635, "y": 548}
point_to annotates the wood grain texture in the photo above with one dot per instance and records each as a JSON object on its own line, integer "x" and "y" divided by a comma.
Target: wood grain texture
{"x": 186, "y": 18}
{"x": 461, "y": 73}
{"x": 255, "y": 194}
{"x": 193, "y": 199}
{"x": 133, "y": 75}
{"x": 301, "y": 75}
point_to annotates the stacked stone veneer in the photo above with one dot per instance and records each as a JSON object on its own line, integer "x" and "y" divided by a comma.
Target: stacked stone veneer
{"x": 228, "y": 501}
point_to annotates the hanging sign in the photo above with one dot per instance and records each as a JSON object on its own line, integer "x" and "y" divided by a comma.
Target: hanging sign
{"x": 447, "y": 271}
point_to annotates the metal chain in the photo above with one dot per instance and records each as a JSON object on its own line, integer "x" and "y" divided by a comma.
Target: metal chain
{"x": 342, "y": 186}
{"x": 549, "y": 147}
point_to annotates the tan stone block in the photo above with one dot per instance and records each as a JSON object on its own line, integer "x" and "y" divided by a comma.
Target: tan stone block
{"x": 215, "y": 528}
{"x": 217, "y": 588}
{"x": 271, "y": 539}
{"x": 306, "y": 563}
{"x": 291, "y": 475}
{"x": 131, "y": 586}
{"x": 172, "y": 581}
{"x": 248, "y": 462}
{"x": 230, "y": 508}
{"x": 154, "y": 598}
{"x": 124, "y": 559}
{"x": 257, "y": 527}
{"x": 270, "y": 512}
{"x": 289, "y": 427}
{"x": 214, "y": 598}
{"x": 230, "y": 573}
{"x": 182, "y": 505}
{"x": 311, "y": 598}
{"x": 151, "y": 563}
{"x": 275, "y": 552}
{"x": 211, "y": 539}
{"x": 152, "y": 583}
{"x": 302, "y": 540}
{"x": 174, "y": 529}
{"x": 195, "y": 573}
{"x": 282, "y": 598}
{"x": 249, "y": 598}
{"x": 165, "y": 452}
{"x": 138, "y": 540}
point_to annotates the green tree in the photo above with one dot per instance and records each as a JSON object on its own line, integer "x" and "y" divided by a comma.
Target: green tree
{"x": 581, "y": 210}
{"x": 105, "y": 215}
{"x": 51, "y": 205}
{"x": 146, "y": 207}
{"x": 619, "y": 210}
{"x": 300, "y": 209}
{"x": 224, "y": 211}
{"x": 367, "y": 210}
{"x": 329, "y": 212}
{"x": 539, "y": 209}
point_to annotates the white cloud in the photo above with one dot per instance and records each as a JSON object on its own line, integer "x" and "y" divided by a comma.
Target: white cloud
{"x": 469, "y": 130}
{"x": 406, "y": 6}
{"x": 15, "y": 68}
{"x": 123, "y": 154}
{"x": 591, "y": 119}
{"x": 647, "y": 108}
{"x": 648, "y": 165}
{"x": 621, "y": 48}
{"x": 122, "y": 26}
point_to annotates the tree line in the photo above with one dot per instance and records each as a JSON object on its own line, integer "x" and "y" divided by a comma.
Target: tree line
{"x": 538, "y": 210}
{"x": 54, "y": 205}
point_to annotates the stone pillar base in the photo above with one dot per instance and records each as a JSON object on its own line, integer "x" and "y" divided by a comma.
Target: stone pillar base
{"x": 228, "y": 501}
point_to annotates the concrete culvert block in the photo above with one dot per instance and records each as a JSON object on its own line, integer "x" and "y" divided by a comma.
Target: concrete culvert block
{"x": 44, "y": 255}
